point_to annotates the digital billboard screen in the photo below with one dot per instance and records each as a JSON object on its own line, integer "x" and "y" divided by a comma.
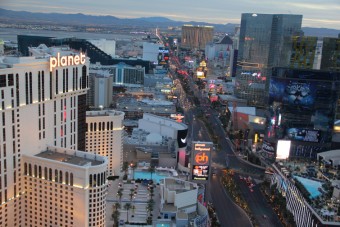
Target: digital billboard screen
{"x": 182, "y": 138}
{"x": 163, "y": 55}
{"x": 292, "y": 92}
{"x": 302, "y": 105}
{"x": 283, "y": 149}
{"x": 301, "y": 134}
{"x": 200, "y": 172}
{"x": 201, "y": 157}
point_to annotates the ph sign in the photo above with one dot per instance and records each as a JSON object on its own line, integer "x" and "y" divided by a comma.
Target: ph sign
{"x": 201, "y": 158}
{"x": 66, "y": 60}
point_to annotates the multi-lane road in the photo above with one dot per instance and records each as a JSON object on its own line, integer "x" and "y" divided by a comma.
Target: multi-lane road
{"x": 228, "y": 213}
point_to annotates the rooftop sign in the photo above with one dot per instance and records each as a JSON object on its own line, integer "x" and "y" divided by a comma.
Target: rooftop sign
{"x": 66, "y": 60}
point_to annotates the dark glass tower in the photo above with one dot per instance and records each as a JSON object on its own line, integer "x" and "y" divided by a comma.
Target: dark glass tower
{"x": 261, "y": 42}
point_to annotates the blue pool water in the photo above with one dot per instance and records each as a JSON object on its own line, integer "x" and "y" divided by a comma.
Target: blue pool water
{"x": 147, "y": 175}
{"x": 311, "y": 186}
{"x": 162, "y": 225}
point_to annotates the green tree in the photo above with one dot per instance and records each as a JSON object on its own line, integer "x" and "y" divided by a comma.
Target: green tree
{"x": 127, "y": 207}
{"x": 120, "y": 194}
{"x": 115, "y": 216}
{"x": 116, "y": 206}
{"x": 132, "y": 193}
{"x": 151, "y": 191}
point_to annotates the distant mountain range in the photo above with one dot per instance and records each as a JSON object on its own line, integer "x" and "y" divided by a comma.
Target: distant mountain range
{"x": 23, "y": 17}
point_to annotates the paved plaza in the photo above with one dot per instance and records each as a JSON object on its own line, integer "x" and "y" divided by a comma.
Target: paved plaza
{"x": 139, "y": 201}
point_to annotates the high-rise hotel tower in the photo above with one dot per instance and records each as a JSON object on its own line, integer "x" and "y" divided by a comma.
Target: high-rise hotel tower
{"x": 261, "y": 42}
{"x": 44, "y": 179}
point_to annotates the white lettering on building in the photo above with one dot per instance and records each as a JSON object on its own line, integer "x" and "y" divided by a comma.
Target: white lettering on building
{"x": 66, "y": 60}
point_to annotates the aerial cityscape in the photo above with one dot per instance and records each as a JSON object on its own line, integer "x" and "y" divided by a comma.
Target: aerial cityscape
{"x": 174, "y": 114}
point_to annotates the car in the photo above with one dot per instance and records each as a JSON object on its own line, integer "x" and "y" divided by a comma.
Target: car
{"x": 121, "y": 222}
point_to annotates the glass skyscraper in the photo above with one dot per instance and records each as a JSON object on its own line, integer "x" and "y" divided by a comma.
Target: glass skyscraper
{"x": 261, "y": 42}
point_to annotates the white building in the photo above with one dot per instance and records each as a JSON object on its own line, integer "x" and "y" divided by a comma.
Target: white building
{"x": 42, "y": 103}
{"x": 151, "y": 51}
{"x": 60, "y": 185}
{"x": 104, "y": 136}
{"x": 219, "y": 51}
{"x": 107, "y": 46}
{"x": 179, "y": 201}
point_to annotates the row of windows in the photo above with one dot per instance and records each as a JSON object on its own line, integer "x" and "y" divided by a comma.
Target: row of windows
{"x": 65, "y": 80}
{"x": 97, "y": 180}
{"x": 59, "y": 176}
{"x": 101, "y": 126}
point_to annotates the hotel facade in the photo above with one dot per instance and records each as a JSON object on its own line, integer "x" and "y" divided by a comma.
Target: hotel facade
{"x": 43, "y": 105}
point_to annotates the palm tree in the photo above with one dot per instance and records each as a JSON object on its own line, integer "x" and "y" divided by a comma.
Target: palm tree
{"x": 127, "y": 207}
{"x": 151, "y": 192}
{"x": 115, "y": 216}
{"x": 120, "y": 194}
{"x": 116, "y": 206}
{"x": 151, "y": 170}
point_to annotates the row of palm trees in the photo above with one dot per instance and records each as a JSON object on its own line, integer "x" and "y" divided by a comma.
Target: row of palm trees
{"x": 116, "y": 213}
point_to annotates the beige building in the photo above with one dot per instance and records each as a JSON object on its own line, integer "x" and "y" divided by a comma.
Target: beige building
{"x": 64, "y": 187}
{"x": 42, "y": 104}
{"x": 196, "y": 37}
{"x": 104, "y": 136}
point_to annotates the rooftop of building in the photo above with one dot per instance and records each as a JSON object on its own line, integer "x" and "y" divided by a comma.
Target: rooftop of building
{"x": 225, "y": 40}
{"x": 104, "y": 113}
{"x": 179, "y": 186}
{"x": 79, "y": 158}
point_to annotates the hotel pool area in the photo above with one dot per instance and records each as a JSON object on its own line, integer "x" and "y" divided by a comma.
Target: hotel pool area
{"x": 312, "y": 186}
{"x": 156, "y": 176}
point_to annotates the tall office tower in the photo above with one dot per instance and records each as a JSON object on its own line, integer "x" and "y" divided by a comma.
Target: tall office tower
{"x": 301, "y": 52}
{"x": 104, "y": 137}
{"x": 330, "y": 54}
{"x": 128, "y": 75}
{"x": 196, "y": 37}
{"x": 42, "y": 103}
{"x": 260, "y": 45}
{"x": 100, "y": 93}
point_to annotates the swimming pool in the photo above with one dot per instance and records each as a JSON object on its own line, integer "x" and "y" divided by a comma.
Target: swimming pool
{"x": 312, "y": 186}
{"x": 156, "y": 176}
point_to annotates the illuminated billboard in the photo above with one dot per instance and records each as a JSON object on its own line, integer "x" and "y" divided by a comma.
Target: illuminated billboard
{"x": 283, "y": 149}
{"x": 182, "y": 138}
{"x": 268, "y": 148}
{"x": 302, "y": 105}
{"x": 307, "y": 135}
{"x": 200, "y": 75}
{"x": 163, "y": 55}
{"x": 200, "y": 172}
{"x": 201, "y": 159}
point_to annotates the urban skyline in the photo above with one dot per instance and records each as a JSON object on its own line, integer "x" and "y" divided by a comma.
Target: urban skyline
{"x": 315, "y": 13}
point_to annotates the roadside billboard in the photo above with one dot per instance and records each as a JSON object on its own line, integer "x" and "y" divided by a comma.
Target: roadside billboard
{"x": 201, "y": 159}
{"x": 283, "y": 149}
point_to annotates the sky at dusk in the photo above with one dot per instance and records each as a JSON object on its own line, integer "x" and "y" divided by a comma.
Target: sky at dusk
{"x": 316, "y": 13}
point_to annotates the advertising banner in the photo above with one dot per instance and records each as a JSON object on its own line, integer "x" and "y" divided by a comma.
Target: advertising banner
{"x": 201, "y": 160}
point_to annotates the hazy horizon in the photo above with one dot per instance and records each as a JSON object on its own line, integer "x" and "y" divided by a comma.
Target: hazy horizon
{"x": 318, "y": 14}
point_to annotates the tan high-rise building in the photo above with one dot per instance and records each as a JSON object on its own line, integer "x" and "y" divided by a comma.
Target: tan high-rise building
{"x": 42, "y": 109}
{"x": 104, "y": 136}
{"x": 196, "y": 37}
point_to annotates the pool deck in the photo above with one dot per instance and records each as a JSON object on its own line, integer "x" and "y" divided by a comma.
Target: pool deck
{"x": 311, "y": 186}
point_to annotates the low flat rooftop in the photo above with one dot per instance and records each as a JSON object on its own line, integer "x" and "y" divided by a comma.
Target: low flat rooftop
{"x": 66, "y": 158}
